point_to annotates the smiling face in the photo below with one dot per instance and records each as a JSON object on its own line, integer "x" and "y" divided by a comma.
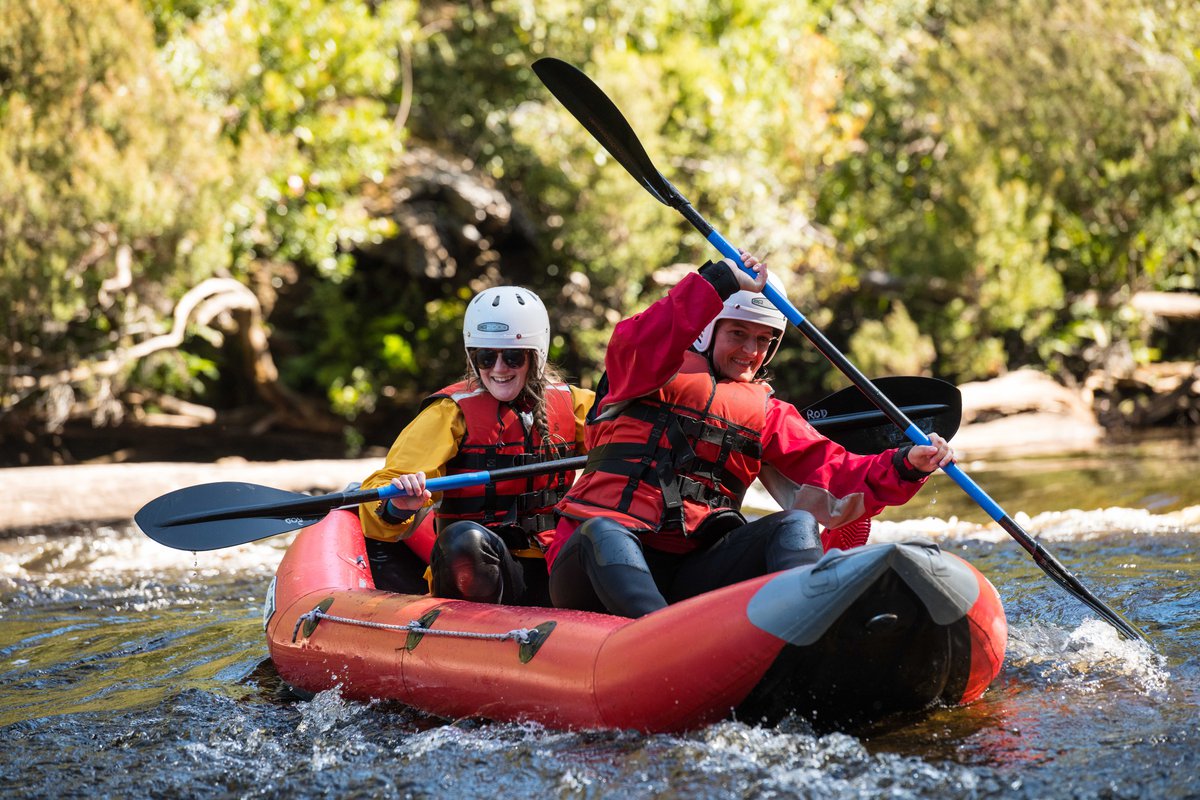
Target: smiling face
{"x": 502, "y": 380}
{"x": 740, "y": 348}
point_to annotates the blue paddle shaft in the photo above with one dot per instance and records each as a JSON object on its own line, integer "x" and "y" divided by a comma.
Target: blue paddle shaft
{"x": 442, "y": 484}
{"x": 464, "y": 479}
{"x": 770, "y": 292}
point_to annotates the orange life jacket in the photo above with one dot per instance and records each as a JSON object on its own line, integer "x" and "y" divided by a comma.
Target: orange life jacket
{"x": 668, "y": 460}
{"x": 498, "y": 436}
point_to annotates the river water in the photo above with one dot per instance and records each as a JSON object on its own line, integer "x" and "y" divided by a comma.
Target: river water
{"x": 131, "y": 670}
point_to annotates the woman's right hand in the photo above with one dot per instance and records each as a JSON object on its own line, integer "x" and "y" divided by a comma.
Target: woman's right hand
{"x": 413, "y": 493}
{"x": 747, "y": 282}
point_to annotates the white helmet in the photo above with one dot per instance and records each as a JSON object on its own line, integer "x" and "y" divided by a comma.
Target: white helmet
{"x": 508, "y": 318}
{"x": 751, "y": 307}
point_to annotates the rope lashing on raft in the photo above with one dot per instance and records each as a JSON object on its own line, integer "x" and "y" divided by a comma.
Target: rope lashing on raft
{"x": 519, "y": 635}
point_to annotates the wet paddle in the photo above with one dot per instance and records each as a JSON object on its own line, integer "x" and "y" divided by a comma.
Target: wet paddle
{"x": 215, "y": 515}
{"x": 850, "y": 419}
{"x": 601, "y": 117}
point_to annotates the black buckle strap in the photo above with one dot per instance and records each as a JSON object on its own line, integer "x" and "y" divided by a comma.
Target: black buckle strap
{"x": 489, "y": 459}
{"x": 702, "y": 493}
{"x": 486, "y": 461}
{"x": 675, "y": 488}
{"x": 501, "y": 505}
{"x": 733, "y": 437}
{"x": 462, "y": 506}
{"x": 546, "y": 498}
{"x": 681, "y": 457}
{"x": 730, "y": 440}
{"x": 646, "y": 458}
{"x": 614, "y": 458}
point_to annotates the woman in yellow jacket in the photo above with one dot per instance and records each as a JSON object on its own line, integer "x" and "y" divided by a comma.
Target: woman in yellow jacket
{"x": 510, "y": 409}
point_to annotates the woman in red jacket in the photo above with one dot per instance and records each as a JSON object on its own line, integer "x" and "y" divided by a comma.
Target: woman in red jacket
{"x": 511, "y": 409}
{"x": 683, "y": 423}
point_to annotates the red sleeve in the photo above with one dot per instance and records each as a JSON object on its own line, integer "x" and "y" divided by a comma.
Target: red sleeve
{"x": 647, "y": 349}
{"x": 803, "y": 469}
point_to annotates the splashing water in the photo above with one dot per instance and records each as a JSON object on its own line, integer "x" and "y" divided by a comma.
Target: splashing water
{"x": 146, "y": 667}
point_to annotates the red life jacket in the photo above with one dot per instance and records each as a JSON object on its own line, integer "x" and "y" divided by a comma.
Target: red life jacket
{"x": 498, "y": 437}
{"x": 667, "y": 461}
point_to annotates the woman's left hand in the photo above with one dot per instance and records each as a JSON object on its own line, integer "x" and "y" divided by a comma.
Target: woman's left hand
{"x": 929, "y": 458}
{"x": 413, "y": 493}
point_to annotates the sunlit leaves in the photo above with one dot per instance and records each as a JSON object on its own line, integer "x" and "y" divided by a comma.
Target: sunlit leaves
{"x": 988, "y": 183}
{"x": 1023, "y": 154}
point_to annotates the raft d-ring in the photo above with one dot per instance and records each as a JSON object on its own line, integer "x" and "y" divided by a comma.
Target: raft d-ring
{"x": 414, "y": 638}
{"x": 310, "y": 620}
{"x": 537, "y": 638}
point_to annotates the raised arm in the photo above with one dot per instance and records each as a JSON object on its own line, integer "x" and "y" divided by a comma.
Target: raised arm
{"x": 647, "y": 349}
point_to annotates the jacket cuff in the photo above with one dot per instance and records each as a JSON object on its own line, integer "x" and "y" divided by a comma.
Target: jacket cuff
{"x": 717, "y": 273}
{"x": 906, "y": 470}
{"x": 390, "y": 515}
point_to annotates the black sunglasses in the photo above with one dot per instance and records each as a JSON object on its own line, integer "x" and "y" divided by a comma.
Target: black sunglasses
{"x": 485, "y": 358}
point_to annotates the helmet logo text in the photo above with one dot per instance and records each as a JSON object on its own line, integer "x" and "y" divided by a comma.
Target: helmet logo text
{"x": 492, "y": 327}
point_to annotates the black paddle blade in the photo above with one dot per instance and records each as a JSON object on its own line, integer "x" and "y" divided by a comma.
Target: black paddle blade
{"x": 588, "y": 103}
{"x": 850, "y": 419}
{"x": 248, "y": 515}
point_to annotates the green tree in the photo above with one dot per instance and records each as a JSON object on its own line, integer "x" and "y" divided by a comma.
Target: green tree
{"x": 112, "y": 185}
{"x": 237, "y": 150}
{"x": 191, "y": 189}
{"x": 1015, "y": 160}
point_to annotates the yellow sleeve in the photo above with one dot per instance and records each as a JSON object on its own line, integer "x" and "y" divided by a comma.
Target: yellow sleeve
{"x": 582, "y": 400}
{"x": 425, "y": 445}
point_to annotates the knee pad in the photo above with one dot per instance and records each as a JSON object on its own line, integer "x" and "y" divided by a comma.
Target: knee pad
{"x": 612, "y": 544}
{"x": 465, "y": 538}
{"x": 797, "y": 530}
{"x": 469, "y": 562}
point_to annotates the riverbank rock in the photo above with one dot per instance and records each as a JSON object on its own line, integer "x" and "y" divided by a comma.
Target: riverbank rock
{"x": 1024, "y": 412}
{"x": 1161, "y": 395}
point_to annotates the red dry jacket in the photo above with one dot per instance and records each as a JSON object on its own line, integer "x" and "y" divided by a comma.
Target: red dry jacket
{"x": 799, "y": 467}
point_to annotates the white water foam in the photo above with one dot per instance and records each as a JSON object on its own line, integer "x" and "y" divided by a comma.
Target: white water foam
{"x": 1072, "y": 525}
{"x": 124, "y": 549}
{"x": 833, "y": 765}
{"x": 1089, "y": 658}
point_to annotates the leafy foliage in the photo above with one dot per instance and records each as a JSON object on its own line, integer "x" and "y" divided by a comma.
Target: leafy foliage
{"x": 1014, "y": 160}
{"x": 112, "y": 184}
{"x": 951, "y": 188}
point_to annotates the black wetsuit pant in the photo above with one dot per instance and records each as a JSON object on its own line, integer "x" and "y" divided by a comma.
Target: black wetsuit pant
{"x": 603, "y": 566}
{"x": 468, "y": 562}
{"x": 396, "y": 568}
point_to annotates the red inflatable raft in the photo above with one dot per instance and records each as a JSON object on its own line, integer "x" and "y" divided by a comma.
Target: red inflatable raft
{"x": 860, "y": 635}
